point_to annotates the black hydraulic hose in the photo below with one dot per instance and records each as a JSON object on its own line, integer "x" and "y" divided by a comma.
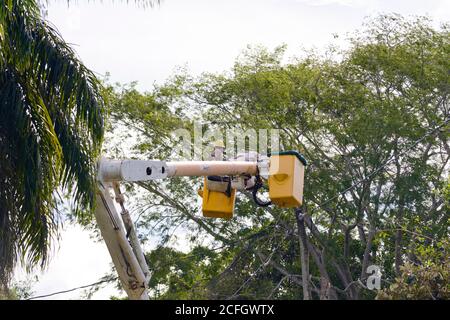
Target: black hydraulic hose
{"x": 258, "y": 185}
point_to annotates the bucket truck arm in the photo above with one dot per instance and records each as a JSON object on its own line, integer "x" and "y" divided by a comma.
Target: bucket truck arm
{"x": 283, "y": 171}
{"x": 120, "y": 238}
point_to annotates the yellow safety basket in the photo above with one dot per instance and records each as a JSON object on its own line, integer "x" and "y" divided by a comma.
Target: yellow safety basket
{"x": 217, "y": 204}
{"x": 286, "y": 176}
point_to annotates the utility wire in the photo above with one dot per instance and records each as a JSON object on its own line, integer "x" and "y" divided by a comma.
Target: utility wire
{"x": 116, "y": 278}
{"x": 73, "y": 289}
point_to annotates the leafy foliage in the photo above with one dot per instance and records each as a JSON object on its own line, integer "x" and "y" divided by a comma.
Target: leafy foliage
{"x": 51, "y": 129}
{"x": 353, "y": 116}
{"x": 425, "y": 278}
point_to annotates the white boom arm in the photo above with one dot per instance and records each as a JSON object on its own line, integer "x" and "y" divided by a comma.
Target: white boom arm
{"x": 118, "y": 230}
{"x": 144, "y": 170}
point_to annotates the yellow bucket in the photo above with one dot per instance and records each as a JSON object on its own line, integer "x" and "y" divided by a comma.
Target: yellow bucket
{"x": 286, "y": 177}
{"x": 217, "y": 204}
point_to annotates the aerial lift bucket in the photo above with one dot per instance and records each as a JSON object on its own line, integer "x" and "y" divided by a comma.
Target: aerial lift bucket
{"x": 217, "y": 204}
{"x": 286, "y": 176}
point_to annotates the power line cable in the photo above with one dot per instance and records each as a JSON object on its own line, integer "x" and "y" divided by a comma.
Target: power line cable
{"x": 73, "y": 289}
{"x": 116, "y": 278}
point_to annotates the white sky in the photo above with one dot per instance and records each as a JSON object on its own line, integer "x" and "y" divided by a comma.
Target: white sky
{"x": 134, "y": 44}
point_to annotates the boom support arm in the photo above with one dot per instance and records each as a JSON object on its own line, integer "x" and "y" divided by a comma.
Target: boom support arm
{"x": 121, "y": 240}
{"x": 284, "y": 173}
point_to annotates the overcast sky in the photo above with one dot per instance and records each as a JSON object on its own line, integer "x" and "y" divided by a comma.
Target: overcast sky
{"x": 134, "y": 44}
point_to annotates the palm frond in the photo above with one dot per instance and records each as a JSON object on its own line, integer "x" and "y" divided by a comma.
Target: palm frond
{"x": 68, "y": 88}
{"x": 51, "y": 129}
{"x": 31, "y": 162}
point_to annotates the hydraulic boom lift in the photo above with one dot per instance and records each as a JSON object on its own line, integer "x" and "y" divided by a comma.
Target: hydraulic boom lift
{"x": 284, "y": 172}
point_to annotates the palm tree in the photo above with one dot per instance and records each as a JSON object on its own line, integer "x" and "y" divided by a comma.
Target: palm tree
{"x": 51, "y": 129}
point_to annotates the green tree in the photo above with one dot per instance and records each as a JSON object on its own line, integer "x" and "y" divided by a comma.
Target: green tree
{"x": 51, "y": 128}
{"x": 372, "y": 121}
{"x": 177, "y": 275}
{"x": 51, "y": 131}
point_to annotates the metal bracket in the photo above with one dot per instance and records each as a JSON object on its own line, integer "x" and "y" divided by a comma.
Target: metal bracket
{"x": 263, "y": 166}
{"x": 132, "y": 170}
